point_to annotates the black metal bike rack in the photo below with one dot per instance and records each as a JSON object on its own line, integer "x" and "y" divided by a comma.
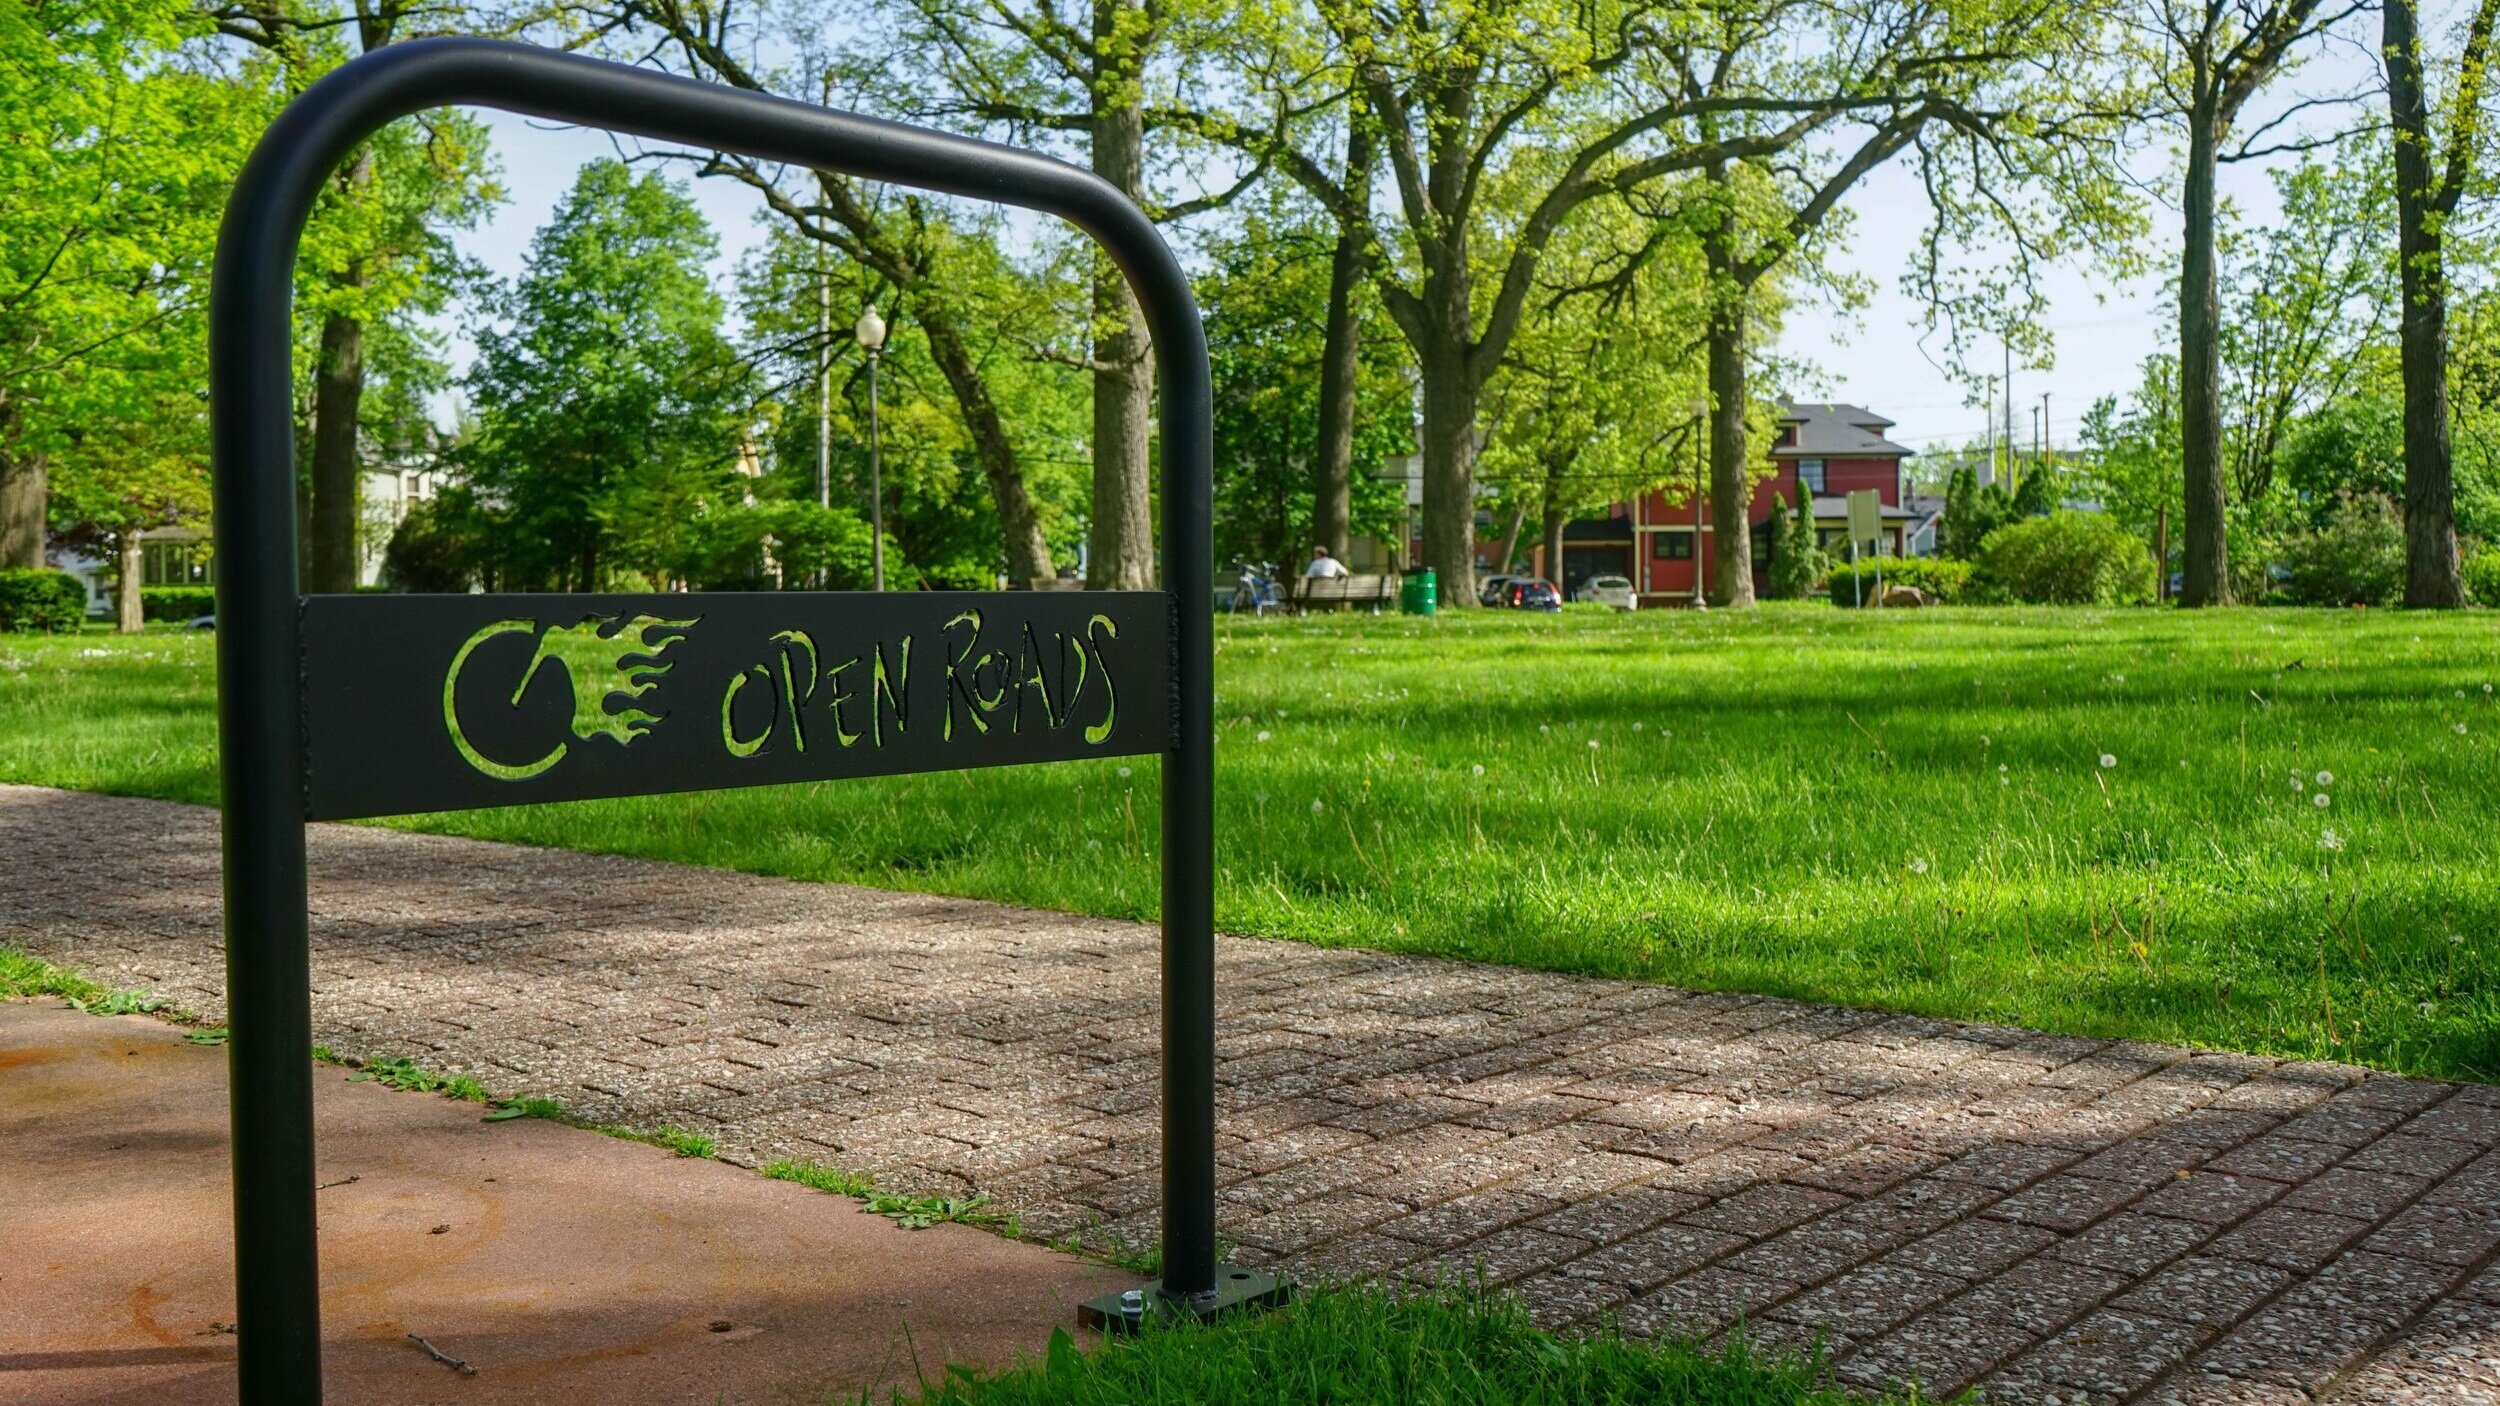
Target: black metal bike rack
{"x": 336, "y": 706}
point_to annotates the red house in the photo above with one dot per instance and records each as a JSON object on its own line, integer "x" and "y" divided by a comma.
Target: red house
{"x": 1833, "y": 449}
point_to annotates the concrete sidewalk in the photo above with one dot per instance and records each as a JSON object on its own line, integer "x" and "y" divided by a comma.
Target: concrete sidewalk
{"x": 563, "y": 1265}
{"x": 2058, "y": 1220}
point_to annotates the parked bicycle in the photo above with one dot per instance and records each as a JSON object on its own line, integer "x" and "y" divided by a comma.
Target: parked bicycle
{"x": 1257, "y": 594}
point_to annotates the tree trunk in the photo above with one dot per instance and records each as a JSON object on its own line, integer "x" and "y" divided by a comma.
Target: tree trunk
{"x": 129, "y": 614}
{"x": 1731, "y": 464}
{"x": 22, "y": 503}
{"x": 1555, "y": 517}
{"x": 1028, "y": 551}
{"x": 1332, "y": 464}
{"x": 2432, "y": 578}
{"x": 2205, "y": 578}
{"x": 1510, "y": 540}
{"x": 338, "y": 389}
{"x": 1449, "y": 451}
{"x": 1123, "y": 538}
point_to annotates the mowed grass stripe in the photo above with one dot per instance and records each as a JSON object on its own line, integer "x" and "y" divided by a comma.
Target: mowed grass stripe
{"x": 1906, "y": 810}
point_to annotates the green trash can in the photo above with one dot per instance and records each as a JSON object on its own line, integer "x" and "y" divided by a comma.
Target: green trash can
{"x": 1418, "y": 594}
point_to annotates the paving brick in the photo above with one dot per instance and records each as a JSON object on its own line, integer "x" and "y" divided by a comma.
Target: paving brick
{"x": 2040, "y": 1295}
{"x": 2210, "y": 1291}
{"x": 2297, "y": 1240}
{"x": 1864, "y": 1302}
{"x": 1940, "y": 1352}
{"x": 1653, "y": 1257}
{"x": 1700, "y": 1304}
{"x": 1974, "y": 1249}
{"x": 2211, "y": 1198}
{"x": 1764, "y": 1209}
{"x": 2114, "y": 1351}
{"x": 2349, "y": 1192}
{"x": 2064, "y": 1202}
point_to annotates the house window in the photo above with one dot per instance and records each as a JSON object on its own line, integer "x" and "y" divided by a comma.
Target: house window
{"x": 1810, "y": 473}
{"x": 1787, "y": 436}
{"x": 1762, "y": 546}
{"x": 1671, "y": 546}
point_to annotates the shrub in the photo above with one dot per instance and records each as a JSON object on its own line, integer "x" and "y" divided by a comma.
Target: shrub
{"x": 1940, "y": 577}
{"x": 2482, "y": 576}
{"x": 2068, "y": 558}
{"x": 177, "y": 602}
{"x": 2357, "y": 558}
{"x": 45, "y": 600}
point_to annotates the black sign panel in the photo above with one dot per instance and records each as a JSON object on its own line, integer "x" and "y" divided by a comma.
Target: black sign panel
{"x": 423, "y": 703}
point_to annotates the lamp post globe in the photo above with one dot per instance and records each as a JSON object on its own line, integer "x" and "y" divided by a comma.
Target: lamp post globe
{"x": 870, "y": 330}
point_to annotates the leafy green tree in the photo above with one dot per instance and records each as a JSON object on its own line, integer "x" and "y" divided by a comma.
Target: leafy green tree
{"x": 1797, "y": 560}
{"x": 611, "y": 411}
{"x": 1593, "y": 402}
{"x": 905, "y": 241}
{"x": 2433, "y": 170}
{"x": 2036, "y": 495}
{"x": 941, "y": 523}
{"x": 1272, "y": 393}
{"x": 2207, "y": 60}
{"x": 135, "y": 457}
{"x": 114, "y": 158}
{"x": 377, "y": 251}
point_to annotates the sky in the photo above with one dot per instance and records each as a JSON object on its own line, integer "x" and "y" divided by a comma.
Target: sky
{"x": 1879, "y": 356}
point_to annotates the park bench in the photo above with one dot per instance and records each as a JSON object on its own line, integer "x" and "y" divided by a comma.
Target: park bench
{"x": 1346, "y": 592}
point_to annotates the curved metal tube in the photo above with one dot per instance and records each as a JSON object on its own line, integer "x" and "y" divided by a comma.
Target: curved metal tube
{"x": 268, "y": 979}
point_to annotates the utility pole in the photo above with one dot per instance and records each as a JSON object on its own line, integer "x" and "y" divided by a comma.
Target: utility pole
{"x": 1988, "y": 436}
{"x": 2009, "y": 413}
{"x": 824, "y": 387}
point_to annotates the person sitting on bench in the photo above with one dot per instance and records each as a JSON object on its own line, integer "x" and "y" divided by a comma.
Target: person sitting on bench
{"x": 1323, "y": 567}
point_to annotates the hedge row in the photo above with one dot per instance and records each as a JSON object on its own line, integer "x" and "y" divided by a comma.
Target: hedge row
{"x": 177, "y": 602}
{"x": 44, "y": 600}
{"x": 1941, "y": 578}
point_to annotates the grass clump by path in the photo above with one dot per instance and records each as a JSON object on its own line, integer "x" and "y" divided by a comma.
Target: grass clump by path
{"x": 1359, "y": 1346}
{"x": 2269, "y": 830}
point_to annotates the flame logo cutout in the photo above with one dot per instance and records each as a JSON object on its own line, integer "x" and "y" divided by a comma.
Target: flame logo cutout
{"x": 605, "y": 659}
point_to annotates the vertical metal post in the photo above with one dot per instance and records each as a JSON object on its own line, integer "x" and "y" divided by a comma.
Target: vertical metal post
{"x": 876, "y": 483}
{"x": 268, "y": 953}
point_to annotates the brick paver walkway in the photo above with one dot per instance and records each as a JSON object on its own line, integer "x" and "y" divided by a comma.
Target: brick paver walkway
{"x": 2059, "y": 1220}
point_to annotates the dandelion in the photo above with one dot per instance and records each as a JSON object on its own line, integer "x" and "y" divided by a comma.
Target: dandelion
{"x": 1478, "y": 768}
{"x": 1918, "y": 866}
{"x": 1542, "y": 727}
{"x": 1124, "y": 773}
{"x": 1318, "y": 805}
{"x": 2108, "y": 761}
{"x": 2426, "y": 1008}
{"x": 2460, "y": 729}
{"x": 2456, "y": 939}
{"x": 1592, "y": 744}
{"x": 2326, "y": 778}
{"x": 1636, "y": 727}
{"x": 1264, "y": 734}
{"x": 1093, "y": 844}
{"x": 2321, "y": 800}
{"x": 2297, "y": 784}
{"x": 2330, "y": 841}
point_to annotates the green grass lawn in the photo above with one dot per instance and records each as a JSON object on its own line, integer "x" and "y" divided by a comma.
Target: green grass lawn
{"x": 1353, "y": 1347}
{"x": 1908, "y": 810}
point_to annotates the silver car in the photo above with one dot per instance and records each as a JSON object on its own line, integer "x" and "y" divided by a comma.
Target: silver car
{"x": 1610, "y": 590}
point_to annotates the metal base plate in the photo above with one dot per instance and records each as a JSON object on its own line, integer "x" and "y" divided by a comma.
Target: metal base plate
{"x": 1236, "y": 1290}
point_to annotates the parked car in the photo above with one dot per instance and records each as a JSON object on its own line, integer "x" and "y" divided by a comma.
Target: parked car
{"x": 1609, "y": 590}
{"x": 1531, "y": 593}
{"x": 1495, "y": 590}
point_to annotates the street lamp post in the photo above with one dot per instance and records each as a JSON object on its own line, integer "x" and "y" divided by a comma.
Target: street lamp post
{"x": 870, "y": 331}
